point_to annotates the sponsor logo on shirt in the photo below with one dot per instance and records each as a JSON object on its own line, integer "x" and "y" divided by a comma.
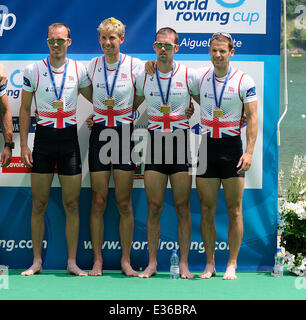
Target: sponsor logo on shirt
{"x": 251, "y": 92}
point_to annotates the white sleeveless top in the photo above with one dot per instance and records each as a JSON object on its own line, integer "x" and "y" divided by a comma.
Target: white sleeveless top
{"x": 183, "y": 84}
{"x": 239, "y": 89}
{"x": 124, "y": 90}
{"x": 37, "y": 80}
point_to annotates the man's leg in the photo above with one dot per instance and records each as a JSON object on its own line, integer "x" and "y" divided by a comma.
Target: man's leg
{"x": 208, "y": 191}
{"x": 155, "y": 185}
{"x": 181, "y": 186}
{"x": 41, "y": 184}
{"x": 123, "y": 189}
{"x": 71, "y": 187}
{"x": 99, "y": 185}
{"x": 233, "y": 190}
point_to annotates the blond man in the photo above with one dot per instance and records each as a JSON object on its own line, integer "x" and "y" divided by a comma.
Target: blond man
{"x": 113, "y": 78}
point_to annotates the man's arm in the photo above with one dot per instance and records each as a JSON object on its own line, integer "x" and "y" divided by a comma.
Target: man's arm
{"x": 24, "y": 124}
{"x": 196, "y": 98}
{"x": 3, "y": 76}
{"x": 7, "y": 126}
{"x": 138, "y": 101}
{"x": 87, "y": 93}
{"x": 251, "y": 135}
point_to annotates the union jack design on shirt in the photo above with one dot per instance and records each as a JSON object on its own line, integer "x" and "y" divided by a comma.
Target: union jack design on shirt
{"x": 37, "y": 80}
{"x": 112, "y": 117}
{"x": 58, "y": 119}
{"x": 123, "y": 94}
{"x": 167, "y": 122}
{"x": 239, "y": 90}
{"x": 184, "y": 82}
{"x": 219, "y": 127}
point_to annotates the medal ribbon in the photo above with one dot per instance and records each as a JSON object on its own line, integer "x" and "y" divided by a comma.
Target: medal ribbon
{"x": 165, "y": 101}
{"x": 110, "y": 93}
{"x": 58, "y": 96}
{"x": 218, "y": 103}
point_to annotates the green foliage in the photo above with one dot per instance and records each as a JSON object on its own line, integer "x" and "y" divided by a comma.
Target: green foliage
{"x": 293, "y": 216}
{"x": 296, "y": 38}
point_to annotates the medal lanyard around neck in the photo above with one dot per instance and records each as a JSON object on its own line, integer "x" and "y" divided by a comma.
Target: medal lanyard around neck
{"x": 110, "y": 93}
{"x": 58, "y": 97}
{"x": 165, "y": 101}
{"x": 218, "y": 103}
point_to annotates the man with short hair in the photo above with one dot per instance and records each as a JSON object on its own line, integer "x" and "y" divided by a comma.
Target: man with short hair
{"x": 113, "y": 78}
{"x": 167, "y": 93}
{"x": 6, "y": 120}
{"x": 55, "y": 83}
{"x": 226, "y": 93}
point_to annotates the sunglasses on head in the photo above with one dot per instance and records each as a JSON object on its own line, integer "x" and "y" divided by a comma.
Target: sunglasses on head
{"x": 167, "y": 46}
{"x": 113, "y": 20}
{"x": 60, "y": 42}
{"x": 224, "y": 34}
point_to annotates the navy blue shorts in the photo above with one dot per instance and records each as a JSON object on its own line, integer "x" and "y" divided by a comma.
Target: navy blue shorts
{"x": 167, "y": 152}
{"x": 110, "y": 147}
{"x": 222, "y": 158}
{"x": 56, "y": 149}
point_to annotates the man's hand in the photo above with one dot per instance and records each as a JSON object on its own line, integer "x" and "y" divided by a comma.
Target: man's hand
{"x": 3, "y": 76}
{"x": 150, "y": 67}
{"x": 244, "y": 163}
{"x": 89, "y": 121}
{"x": 189, "y": 111}
{"x": 36, "y": 115}
{"x": 26, "y": 156}
{"x": 6, "y": 157}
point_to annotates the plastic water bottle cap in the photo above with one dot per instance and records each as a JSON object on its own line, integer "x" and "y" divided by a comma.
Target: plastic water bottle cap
{"x": 174, "y": 251}
{"x": 279, "y": 250}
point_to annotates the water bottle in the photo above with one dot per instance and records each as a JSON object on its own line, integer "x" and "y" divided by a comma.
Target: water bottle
{"x": 278, "y": 269}
{"x": 174, "y": 266}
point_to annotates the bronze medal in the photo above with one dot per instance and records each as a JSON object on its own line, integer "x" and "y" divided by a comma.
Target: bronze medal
{"x": 58, "y": 104}
{"x": 109, "y": 102}
{"x": 165, "y": 108}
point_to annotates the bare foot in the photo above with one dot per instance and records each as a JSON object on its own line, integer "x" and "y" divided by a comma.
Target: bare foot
{"x": 148, "y": 272}
{"x": 184, "y": 272}
{"x": 34, "y": 269}
{"x": 209, "y": 272}
{"x": 230, "y": 273}
{"x": 72, "y": 268}
{"x": 96, "y": 269}
{"x": 128, "y": 270}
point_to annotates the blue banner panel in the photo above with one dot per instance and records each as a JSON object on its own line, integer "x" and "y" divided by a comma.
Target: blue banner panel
{"x": 25, "y": 27}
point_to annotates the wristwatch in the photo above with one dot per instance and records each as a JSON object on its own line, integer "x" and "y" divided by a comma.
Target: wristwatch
{"x": 11, "y": 145}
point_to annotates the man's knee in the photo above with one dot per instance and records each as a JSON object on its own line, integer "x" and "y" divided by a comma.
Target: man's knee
{"x": 99, "y": 200}
{"x": 234, "y": 211}
{"x": 155, "y": 207}
{"x": 71, "y": 206}
{"x": 124, "y": 207}
{"x": 182, "y": 208}
{"x": 39, "y": 206}
{"x": 208, "y": 210}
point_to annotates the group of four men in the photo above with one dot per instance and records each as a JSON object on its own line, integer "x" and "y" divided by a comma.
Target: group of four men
{"x": 117, "y": 84}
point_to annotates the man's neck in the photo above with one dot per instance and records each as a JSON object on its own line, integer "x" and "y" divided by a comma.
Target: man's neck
{"x": 57, "y": 62}
{"x": 165, "y": 67}
{"x": 221, "y": 72}
{"x": 110, "y": 59}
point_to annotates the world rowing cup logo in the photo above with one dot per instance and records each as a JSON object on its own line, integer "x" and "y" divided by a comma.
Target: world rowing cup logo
{"x": 230, "y": 3}
{"x": 7, "y": 20}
